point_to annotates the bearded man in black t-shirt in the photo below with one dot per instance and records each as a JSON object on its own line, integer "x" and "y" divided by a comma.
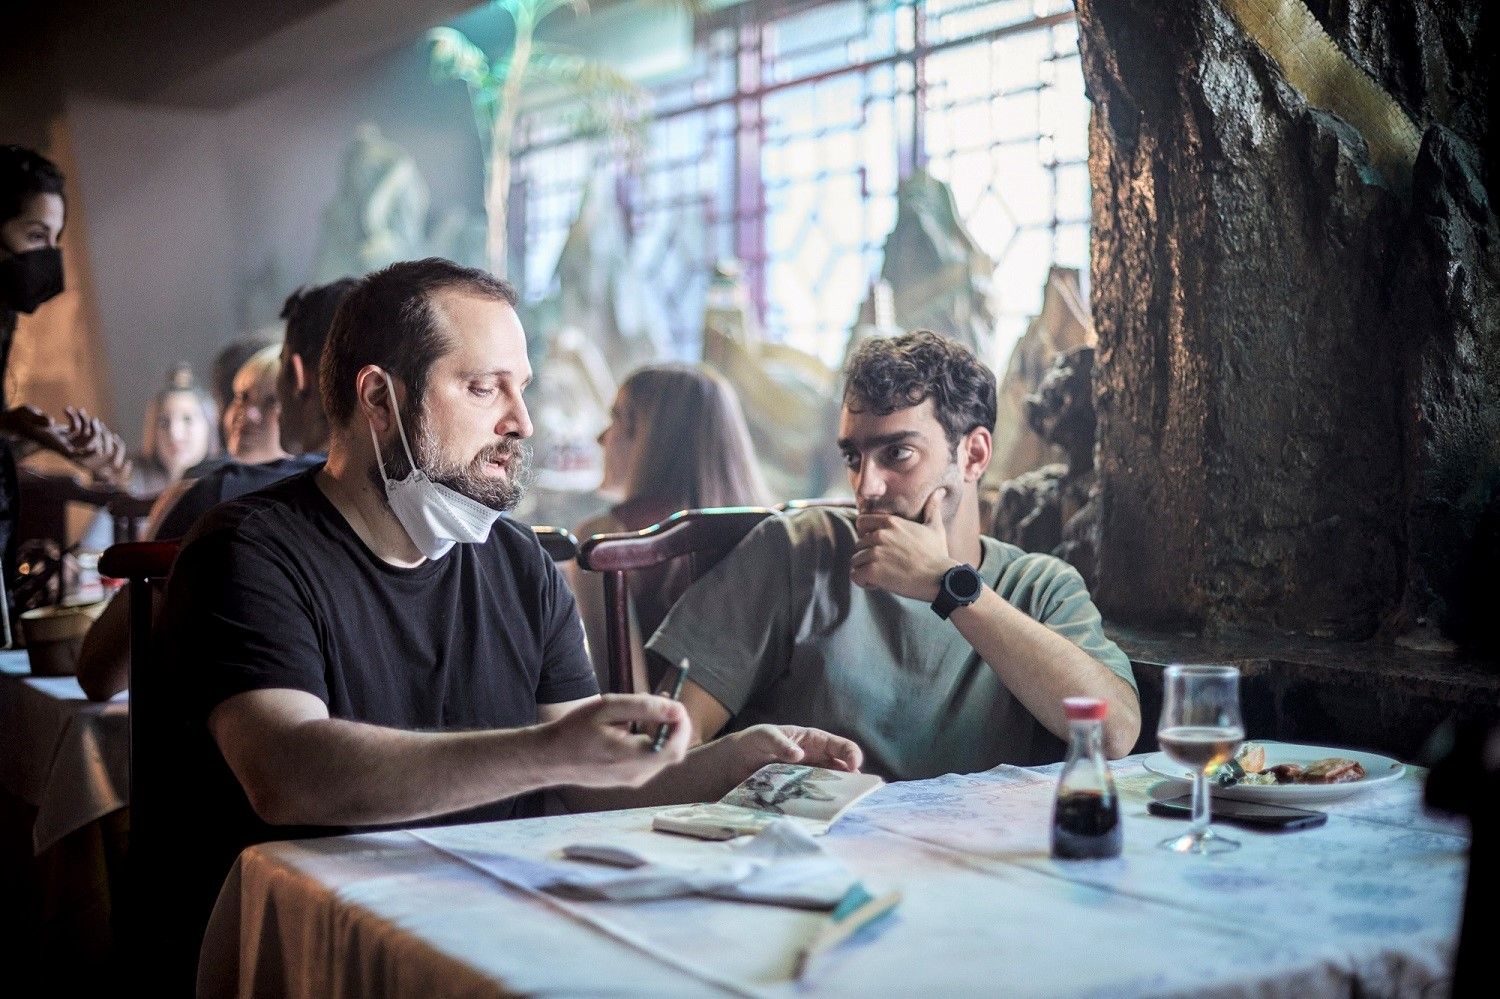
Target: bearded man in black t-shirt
{"x": 369, "y": 643}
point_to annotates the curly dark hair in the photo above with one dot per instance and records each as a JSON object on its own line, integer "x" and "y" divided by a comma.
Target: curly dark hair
{"x": 890, "y": 373}
{"x": 23, "y": 173}
{"x": 388, "y": 319}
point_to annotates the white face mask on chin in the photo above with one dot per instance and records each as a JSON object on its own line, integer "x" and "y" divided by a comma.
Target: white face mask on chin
{"x": 435, "y": 516}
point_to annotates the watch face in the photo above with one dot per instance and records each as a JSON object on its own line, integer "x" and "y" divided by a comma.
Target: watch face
{"x": 963, "y": 582}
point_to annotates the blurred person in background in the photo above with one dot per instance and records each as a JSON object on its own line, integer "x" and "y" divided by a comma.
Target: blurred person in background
{"x": 180, "y": 435}
{"x": 252, "y": 434}
{"x": 676, "y": 440}
{"x": 227, "y": 364}
{"x": 276, "y": 400}
{"x": 252, "y": 418}
{"x": 32, "y": 214}
{"x": 180, "y": 432}
{"x": 275, "y": 422}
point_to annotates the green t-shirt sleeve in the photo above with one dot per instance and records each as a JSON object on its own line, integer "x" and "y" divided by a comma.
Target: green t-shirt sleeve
{"x": 1055, "y": 594}
{"x": 733, "y": 625}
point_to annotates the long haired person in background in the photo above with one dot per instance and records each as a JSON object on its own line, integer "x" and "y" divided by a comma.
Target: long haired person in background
{"x": 181, "y": 430}
{"x": 676, "y": 440}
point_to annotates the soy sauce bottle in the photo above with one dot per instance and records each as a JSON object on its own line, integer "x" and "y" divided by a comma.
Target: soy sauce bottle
{"x": 1086, "y": 817}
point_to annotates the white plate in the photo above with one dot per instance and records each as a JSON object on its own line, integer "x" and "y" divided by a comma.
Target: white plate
{"x": 1379, "y": 770}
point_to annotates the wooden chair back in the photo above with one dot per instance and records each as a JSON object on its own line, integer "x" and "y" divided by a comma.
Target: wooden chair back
{"x": 702, "y": 537}
{"x": 558, "y": 542}
{"x": 143, "y": 565}
{"x": 130, "y": 513}
{"x": 160, "y": 934}
{"x": 845, "y": 502}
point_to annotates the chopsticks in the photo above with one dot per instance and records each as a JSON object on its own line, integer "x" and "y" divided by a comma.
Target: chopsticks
{"x": 857, "y": 910}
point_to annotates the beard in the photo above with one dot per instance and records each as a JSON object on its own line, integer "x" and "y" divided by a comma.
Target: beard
{"x": 467, "y": 478}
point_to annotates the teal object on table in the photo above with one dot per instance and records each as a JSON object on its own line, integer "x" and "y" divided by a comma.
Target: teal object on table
{"x": 856, "y": 910}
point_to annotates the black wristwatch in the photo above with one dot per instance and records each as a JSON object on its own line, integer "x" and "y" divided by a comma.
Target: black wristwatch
{"x": 959, "y": 587}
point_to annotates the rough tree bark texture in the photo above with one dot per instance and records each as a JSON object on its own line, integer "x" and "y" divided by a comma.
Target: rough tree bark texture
{"x": 1297, "y": 369}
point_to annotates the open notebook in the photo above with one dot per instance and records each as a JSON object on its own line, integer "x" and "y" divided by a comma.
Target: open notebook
{"x": 812, "y": 797}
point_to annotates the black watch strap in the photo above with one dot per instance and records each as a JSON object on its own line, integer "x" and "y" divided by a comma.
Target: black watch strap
{"x": 959, "y": 587}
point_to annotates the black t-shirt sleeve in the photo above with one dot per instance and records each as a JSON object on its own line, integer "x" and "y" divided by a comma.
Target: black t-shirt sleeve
{"x": 566, "y": 673}
{"x": 239, "y": 619}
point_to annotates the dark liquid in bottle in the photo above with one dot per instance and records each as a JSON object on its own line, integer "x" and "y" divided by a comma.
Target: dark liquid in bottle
{"x": 1086, "y": 826}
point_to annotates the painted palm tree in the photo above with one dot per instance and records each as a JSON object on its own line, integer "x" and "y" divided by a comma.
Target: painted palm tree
{"x": 604, "y": 101}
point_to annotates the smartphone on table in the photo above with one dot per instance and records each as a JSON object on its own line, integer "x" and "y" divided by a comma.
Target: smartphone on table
{"x": 1251, "y": 814}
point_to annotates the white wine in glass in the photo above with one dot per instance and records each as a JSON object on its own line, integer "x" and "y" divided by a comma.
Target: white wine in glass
{"x": 1200, "y": 729}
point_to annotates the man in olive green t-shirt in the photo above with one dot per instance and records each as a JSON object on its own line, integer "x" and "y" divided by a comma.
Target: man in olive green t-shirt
{"x": 900, "y": 626}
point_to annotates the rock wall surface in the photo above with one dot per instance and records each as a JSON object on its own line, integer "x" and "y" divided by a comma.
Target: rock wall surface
{"x": 1297, "y": 368}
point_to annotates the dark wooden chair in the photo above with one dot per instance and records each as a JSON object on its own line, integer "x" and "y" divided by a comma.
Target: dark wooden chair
{"x": 130, "y": 513}
{"x": 699, "y": 537}
{"x": 559, "y": 542}
{"x": 144, "y": 565}
{"x": 166, "y": 899}
{"x": 156, "y": 948}
{"x": 1464, "y": 779}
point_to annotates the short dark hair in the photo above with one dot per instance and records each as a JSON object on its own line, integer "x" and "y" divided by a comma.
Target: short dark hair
{"x": 890, "y": 373}
{"x": 309, "y": 313}
{"x": 388, "y": 320}
{"x": 24, "y": 173}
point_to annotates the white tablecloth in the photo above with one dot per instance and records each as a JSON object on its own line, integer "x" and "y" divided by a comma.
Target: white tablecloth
{"x": 59, "y": 751}
{"x": 1368, "y": 904}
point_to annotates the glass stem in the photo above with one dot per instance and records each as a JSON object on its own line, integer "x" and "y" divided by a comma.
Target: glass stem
{"x": 1200, "y": 805}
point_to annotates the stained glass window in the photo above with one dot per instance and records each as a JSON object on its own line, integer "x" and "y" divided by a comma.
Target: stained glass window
{"x": 783, "y": 142}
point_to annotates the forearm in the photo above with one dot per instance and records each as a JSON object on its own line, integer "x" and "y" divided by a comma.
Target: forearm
{"x": 1041, "y": 667}
{"x": 298, "y": 766}
{"x": 21, "y": 447}
{"x": 104, "y": 659}
{"x": 334, "y": 772}
{"x": 707, "y": 773}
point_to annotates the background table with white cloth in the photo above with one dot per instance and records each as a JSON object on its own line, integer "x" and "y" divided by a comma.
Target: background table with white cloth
{"x": 64, "y": 775}
{"x": 1367, "y": 904}
{"x": 63, "y": 754}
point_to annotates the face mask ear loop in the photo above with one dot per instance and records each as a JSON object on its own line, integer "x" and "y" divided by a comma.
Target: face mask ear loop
{"x": 379, "y": 458}
{"x": 401, "y": 430}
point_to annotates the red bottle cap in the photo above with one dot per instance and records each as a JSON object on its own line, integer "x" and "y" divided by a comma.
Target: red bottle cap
{"x": 1085, "y": 708}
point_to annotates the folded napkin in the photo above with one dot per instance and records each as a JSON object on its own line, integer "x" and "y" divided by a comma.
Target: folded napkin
{"x": 780, "y": 865}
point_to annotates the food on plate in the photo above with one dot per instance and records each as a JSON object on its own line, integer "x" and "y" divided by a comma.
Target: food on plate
{"x": 1333, "y": 770}
{"x": 1249, "y": 760}
{"x": 1248, "y": 769}
{"x": 1285, "y": 773}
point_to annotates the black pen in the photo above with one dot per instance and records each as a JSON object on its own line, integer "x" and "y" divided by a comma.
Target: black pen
{"x": 664, "y": 730}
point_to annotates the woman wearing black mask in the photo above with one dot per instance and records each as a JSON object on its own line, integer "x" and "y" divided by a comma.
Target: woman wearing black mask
{"x": 31, "y": 272}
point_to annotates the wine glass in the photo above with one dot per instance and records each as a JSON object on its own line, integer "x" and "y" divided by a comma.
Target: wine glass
{"x": 1200, "y": 728}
